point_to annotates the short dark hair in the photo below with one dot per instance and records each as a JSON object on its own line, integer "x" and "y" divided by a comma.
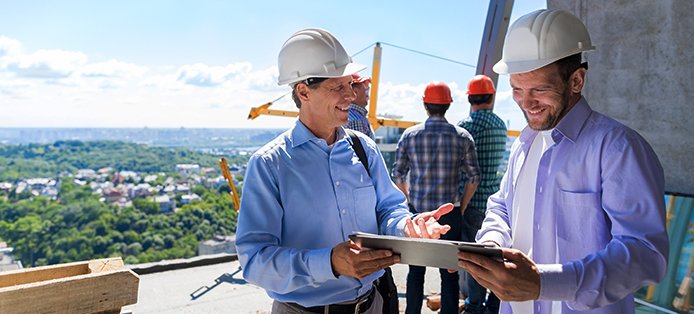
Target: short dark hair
{"x": 311, "y": 82}
{"x": 480, "y": 99}
{"x": 436, "y": 109}
{"x": 568, "y": 65}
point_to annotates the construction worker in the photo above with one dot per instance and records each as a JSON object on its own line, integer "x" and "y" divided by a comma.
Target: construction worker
{"x": 357, "y": 109}
{"x": 436, "y": 154}
{"x": 299, "y": 197}
{"x": 489, "y": 133}
{"x": 581, "y": 203}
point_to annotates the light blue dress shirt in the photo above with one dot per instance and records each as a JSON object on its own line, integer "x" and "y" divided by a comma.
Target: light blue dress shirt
{"x": 300, "y": 199}
{"x": 599, "y": 225}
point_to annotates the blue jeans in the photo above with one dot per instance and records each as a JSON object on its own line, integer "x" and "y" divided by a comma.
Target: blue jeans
{"x": 449, "y": 282}
{"x": 475, "y": 302}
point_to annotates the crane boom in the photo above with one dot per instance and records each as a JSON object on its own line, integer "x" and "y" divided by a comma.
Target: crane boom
{"x": 227, "y": 175}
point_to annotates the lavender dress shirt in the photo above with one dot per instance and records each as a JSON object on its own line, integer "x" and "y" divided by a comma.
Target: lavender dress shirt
{"x": 599, "y": 224}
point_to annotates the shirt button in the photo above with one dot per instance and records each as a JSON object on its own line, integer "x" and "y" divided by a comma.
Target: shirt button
{"x": 337, "y": 183}
{"x": 344, "y": 212}
{"x": 538, "y": 227}
{"x": 540, "y": 189}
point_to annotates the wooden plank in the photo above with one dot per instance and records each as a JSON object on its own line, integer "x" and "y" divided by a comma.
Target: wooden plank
{"x": 36, "y": 274}
{"x": 88, "y": 293}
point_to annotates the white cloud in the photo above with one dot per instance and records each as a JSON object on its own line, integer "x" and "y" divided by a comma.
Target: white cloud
{"x": 207, "y": 76}
{"x": 47, "y": 64}
{"x": 113, "y": 68}
{"x": 9, "y": 47}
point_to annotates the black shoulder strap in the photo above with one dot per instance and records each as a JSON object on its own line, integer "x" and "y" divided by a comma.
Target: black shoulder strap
{"x": 359, "y": 149}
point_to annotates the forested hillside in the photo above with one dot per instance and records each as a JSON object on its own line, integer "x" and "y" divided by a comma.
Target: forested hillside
{"x": 49, "y": 160}
{"x": 78, "y": 225}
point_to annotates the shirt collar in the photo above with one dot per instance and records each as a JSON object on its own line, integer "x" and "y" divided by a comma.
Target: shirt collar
{"x": 359, "y": 109}
{"x": 436, "y": 119}
{"x": 300, "y": 134}
{"x": 572, "y": 123}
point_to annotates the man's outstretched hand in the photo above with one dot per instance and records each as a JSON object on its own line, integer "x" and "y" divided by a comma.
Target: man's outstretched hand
{"x": 425, "y": 225}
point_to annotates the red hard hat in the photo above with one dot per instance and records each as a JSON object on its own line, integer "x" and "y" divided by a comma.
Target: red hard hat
{"x": 360, "y": 79}
{"x": 437, "y": 93}
{"x": 480, "y": 85}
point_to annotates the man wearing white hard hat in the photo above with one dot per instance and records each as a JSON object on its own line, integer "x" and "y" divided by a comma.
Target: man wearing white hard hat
{"x": 307, "y": 190}
{"x": 580, "y": 213}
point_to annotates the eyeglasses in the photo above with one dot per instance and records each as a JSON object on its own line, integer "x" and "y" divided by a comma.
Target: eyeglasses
{"x": 336, "y": 89}
{"x": 349, "y": 87}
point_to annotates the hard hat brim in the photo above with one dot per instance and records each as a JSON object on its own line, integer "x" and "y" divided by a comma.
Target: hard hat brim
{"x": 346, "y": 70}
{"x": 516, "y": 67}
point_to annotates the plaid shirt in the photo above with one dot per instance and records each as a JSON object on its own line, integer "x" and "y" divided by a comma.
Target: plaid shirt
{"x": 358, "y": 121}
{"x": 436, "y": 154}
{"x": 489, "y": 132}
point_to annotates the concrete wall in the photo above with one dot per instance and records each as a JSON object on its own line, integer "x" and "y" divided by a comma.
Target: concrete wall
{"x": 642, "y": 74}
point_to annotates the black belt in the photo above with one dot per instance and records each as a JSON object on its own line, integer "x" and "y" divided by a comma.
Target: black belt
{"x": 362, "y": 304}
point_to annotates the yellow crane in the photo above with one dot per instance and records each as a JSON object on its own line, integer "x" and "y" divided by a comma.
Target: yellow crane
{"x": 236, "y": 200}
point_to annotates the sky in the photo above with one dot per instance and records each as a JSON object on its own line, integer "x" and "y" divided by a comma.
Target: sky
{"x": 204, "y": 64}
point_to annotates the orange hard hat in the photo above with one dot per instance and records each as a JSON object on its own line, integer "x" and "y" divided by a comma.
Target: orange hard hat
{"x": 480, "y": 85}
{"x": 437, "y": 93}
{"x": 357, "y": 79}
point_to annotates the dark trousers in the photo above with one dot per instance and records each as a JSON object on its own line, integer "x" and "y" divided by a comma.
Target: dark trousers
{"x": 449, "y": 281}
{"x": 475, "y": 302}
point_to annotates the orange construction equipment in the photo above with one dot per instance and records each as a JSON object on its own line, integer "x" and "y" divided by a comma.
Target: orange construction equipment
{"x": 227, "y": 175}
{"x": 480, "y": 85}
{"x": 437, "y": 93}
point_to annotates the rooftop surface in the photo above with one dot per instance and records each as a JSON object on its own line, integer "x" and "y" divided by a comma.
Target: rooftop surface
{"x": 206, "y": 285}
{"x": 220, "y": 288}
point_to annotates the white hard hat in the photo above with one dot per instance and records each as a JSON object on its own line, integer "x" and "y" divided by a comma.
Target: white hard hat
{"x": 313, "y": 52}
{"x": 540, "y": 38}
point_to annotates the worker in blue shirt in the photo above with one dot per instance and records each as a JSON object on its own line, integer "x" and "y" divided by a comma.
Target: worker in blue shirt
{"x": 307, "y": 190}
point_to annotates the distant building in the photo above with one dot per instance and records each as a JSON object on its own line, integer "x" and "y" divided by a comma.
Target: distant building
{"x": 151, "y": 178}
{"x": 188, "y": 169}
{"x": 209, "y": 171}
{"x": 166, "y": 204}
{"x": 141, "y": 190}
{"x": 85, "y": 174}
{"x": 218, "y": 244}
{"x": 7, "y": 261}
{"x": 189, "y": 198}
{"x": 105, "y": 170}
{"x": 216, "y": 183}
{"x": 112, "y": 195}
{"x": 50, "y": 192}
{"x": 183, "y": 188}
{"x": 5, "y": 186}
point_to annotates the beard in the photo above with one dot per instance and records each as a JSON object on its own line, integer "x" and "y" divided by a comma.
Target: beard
{"x": 553, "y": 118}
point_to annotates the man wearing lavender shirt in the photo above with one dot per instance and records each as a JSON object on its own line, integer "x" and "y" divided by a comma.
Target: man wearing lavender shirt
{"x": 580, "y": 213}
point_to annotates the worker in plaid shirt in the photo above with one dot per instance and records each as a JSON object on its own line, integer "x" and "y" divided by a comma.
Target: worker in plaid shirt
{"x": 489, "y": 132}
{"x": 436, "y": 154}
{"x": 357, "y": 109}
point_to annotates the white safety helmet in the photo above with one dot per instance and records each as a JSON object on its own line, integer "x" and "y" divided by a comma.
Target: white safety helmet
{"x": 313, "y": 52}
{"x": 540, "y": 38}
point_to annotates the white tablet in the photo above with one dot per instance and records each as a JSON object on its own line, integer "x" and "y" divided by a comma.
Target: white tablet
{"x": 426, "y": 252}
